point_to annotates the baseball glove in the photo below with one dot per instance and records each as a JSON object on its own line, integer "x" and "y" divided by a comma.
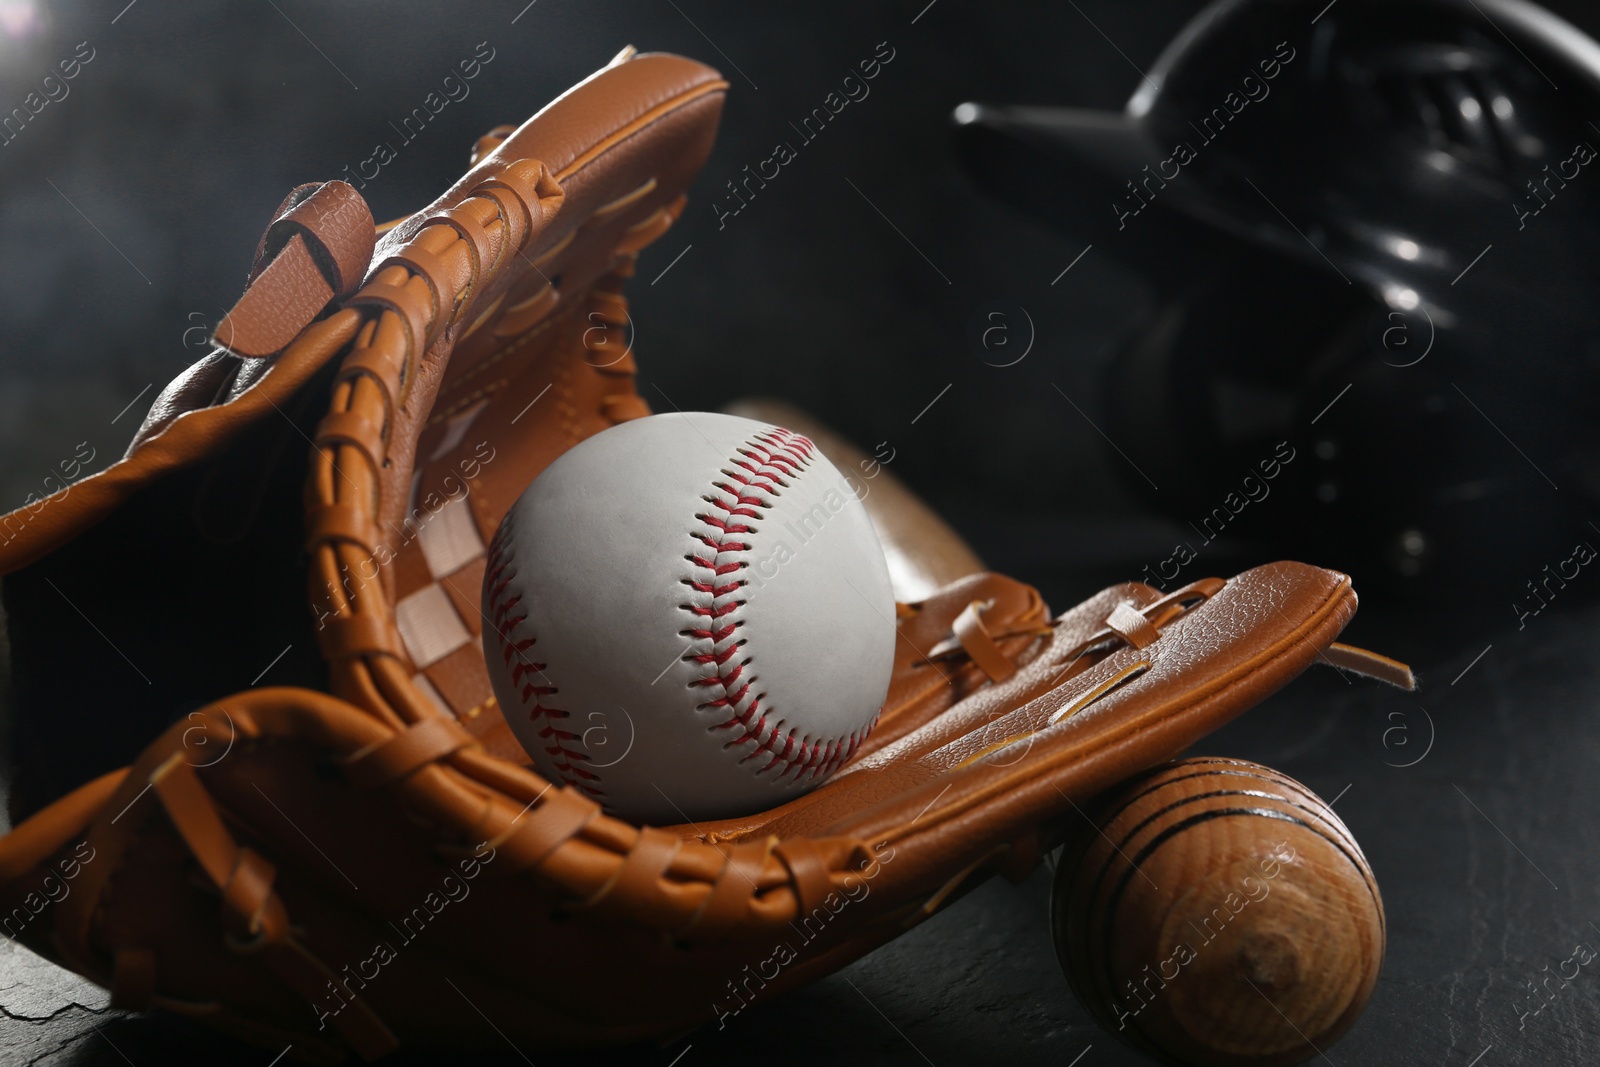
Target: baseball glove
{"x": 314, "y": 827}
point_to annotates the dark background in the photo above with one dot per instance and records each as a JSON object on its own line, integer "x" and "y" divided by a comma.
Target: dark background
{"x": 129, "y": 213}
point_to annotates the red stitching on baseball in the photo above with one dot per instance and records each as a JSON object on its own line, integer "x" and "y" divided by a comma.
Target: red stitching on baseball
{"x": 497, "y": 581}
{"x": 761, "y": 465}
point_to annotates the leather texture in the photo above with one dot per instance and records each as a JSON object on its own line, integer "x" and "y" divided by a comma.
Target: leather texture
{"x": 313, "y": 863}
{"x": 318, "y": 248}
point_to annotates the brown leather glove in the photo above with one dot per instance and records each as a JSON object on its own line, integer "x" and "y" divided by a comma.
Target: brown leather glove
{"x": 342, "y": 848}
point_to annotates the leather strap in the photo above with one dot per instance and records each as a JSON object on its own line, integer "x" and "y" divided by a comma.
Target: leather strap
{"x": 414, "y": 747}
{"x": 728, "y": 902}
{"x": 642, "y": 868}
{"x": 340, "y": 522}
{"x": 196, "y": 820}
{"x": 350, "y": 636}
{"x": 481, "y": 246}
{"x": 355, "y": 429}
{"x": 317, "y": 249}
{"x": 253, "y": 916}
{"x": 1371, "y": 664}
{"x": 248, "y": 896}
{"x": 549, "y": 824}
{"x": 377, "y": 366}
{"x": 535, "y": 194}
{"x": 979, "y": 646}
{"x": 642, "y": 234}
{"x": 414, "y": 313}
{"x": 808, "y": 870}
{"x": 1129, "y": 623}
{"x": 433, "y": 270}
{"x": 527, "y": 313}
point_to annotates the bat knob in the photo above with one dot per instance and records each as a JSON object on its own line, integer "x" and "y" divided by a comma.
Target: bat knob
{"x": 1219, "y": 913}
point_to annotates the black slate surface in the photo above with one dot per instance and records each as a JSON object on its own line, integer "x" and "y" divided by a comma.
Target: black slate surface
{"x": 129, "y": 212}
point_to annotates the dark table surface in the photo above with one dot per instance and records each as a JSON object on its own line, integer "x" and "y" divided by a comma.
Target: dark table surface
{"x": 131, "y": 208}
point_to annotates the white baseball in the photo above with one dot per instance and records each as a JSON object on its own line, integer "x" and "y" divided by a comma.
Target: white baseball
{"x": 691, "y": 618}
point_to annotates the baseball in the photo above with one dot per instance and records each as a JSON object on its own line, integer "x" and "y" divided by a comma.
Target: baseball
{"x": 690, "y": 618}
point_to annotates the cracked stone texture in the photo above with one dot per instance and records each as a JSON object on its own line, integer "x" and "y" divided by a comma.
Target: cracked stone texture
{"x": 184, "y": 133}
{"x": 44, "y": 1008}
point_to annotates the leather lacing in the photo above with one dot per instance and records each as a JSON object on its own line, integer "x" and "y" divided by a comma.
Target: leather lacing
{"x": 1128, "y": 625}
{"x": 997, "y": 653}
